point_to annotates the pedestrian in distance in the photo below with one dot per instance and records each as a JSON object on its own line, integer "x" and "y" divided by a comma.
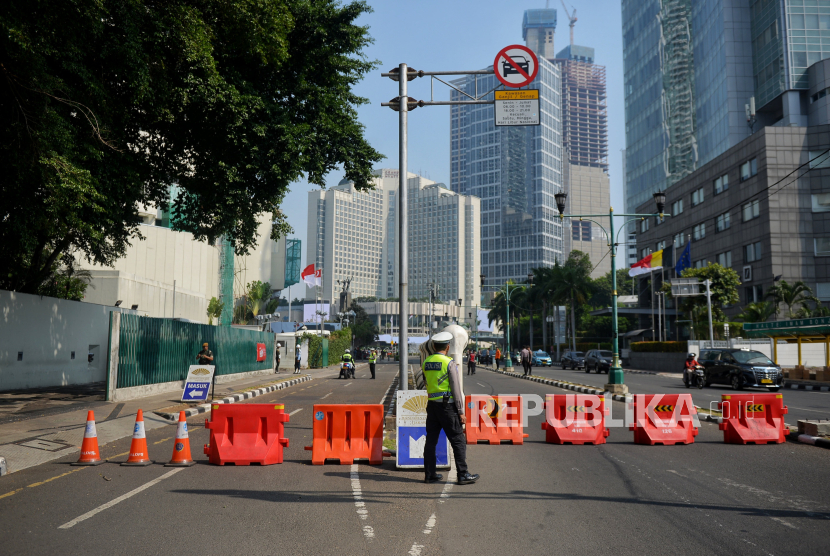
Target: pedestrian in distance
{"x": 445, "y": 411}
{"x": 525, "y": 358}
{"x": 373, "y": 357}
{"x": 277, "y": 357}
{"x": 297, "y": 359}
{"x": 205, "y": 356}
{"x": 498, "y": 357}
{"x": 471, "y": 363}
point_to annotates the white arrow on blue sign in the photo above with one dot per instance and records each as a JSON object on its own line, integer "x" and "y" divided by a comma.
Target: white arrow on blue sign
{"x": 197, "y": 383}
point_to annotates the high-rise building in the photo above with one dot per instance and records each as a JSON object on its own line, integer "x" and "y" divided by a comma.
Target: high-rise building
{"x": 585, "y": 140}
{"x": 515, "y": 171}
{"x": 538, "y": 28}
{"x": 352, "y": 235}
{"x": 692, "y": 67}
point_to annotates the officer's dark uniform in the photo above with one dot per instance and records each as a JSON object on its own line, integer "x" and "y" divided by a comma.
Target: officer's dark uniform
{"x": 347, "y": 357}
{"x": 443, "y": 414}
{"x": 373, "y": 357}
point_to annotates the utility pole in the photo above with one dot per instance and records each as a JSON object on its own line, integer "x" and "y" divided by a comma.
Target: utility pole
{"x": 707, "y": 283}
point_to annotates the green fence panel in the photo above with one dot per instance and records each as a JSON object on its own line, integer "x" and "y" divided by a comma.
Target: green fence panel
{"x": 325, "y": 352}
{"x": 155, "y": 350}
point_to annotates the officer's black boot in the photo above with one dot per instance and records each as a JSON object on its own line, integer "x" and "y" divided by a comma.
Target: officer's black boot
{"x": 467, "y": 479}
{"x": 434, "y": 478}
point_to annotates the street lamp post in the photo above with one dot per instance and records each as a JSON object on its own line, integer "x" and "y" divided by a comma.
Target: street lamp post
{"x": 616, "y": 383}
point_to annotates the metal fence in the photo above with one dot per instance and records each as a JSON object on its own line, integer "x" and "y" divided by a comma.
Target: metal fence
{"x": 153, "y": 351}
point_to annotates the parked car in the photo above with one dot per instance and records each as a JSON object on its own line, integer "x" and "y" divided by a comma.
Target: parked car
{"x": 598, "y": 360}
{"x": 741, "y": 368}
{"x": 573, "y": 359}
{"x": 540, "y": 359}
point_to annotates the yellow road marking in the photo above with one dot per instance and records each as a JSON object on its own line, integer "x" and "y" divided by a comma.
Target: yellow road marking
{"x": 162, "y": 440}
{"x": 10, "y": 493}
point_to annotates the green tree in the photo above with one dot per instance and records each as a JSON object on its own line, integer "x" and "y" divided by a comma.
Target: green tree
{"x": 759, "y": 311}
{"x": 108, "y": 103}
{"x": 365, "y": 331}
{"x": 214, "y": 309}
{"x": 258, "y": 295}
{"x": 574, "y": 284}
{"x": 66, "y": 281}
{"x": 792, "y": 295}
{"x": 724, "y": 289}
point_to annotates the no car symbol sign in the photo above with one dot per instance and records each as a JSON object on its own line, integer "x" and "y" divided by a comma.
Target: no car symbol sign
{"x": 516, "y": 66}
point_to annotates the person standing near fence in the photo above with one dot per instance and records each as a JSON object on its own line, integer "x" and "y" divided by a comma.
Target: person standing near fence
{"x": 297, "y": 359}
{"x": 205, "y": 356}
{"x": 373, "y": 358}
{"x": 277, "y": 356}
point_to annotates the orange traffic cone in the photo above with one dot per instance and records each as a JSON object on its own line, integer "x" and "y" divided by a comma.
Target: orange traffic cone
{"x": 138, "y": 447}
{"x": 181, "y": 449}
{"x": 89, "y": 447}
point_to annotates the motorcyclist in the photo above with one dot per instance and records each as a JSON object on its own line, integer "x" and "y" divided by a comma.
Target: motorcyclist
{"x": 347, "y": 358}
{"x": 689, "y": 367}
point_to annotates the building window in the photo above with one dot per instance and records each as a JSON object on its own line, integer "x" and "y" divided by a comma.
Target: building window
{"x": 752, "y": 252}
{"x": 751, "y": 210}
{"x": 581, "y": 231}
{"x": 725, "y": 259}
{"x": 754, "y": 294}
{"x": 660, "y": 245}
{"x": 721, "y": 184}
{"x": 678, "y": 241}
{"x": 677, "y": 207}
{"x": 823, "y": 291}
{"x": 697, "y": 197}
{"x": 699, "y": 231}
{"x": 723, "y": 222}
{"x": 749, "y": 169}
{"x": 700, "y": 263}
{"x": 644, "y": 225}
{"x": 822, "y": 246}
{"x": 645, "y": 253}
{"x": 819, "y": 159}
{"x": 821, "y": 202}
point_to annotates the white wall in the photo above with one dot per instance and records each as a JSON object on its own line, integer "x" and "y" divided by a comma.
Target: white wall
{"x": 47, "y": 331}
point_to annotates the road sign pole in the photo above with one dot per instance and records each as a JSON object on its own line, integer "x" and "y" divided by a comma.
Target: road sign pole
{"x": 403, "y": 233}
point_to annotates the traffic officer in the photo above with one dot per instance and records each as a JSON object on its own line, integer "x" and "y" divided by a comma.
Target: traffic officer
{"x": 373, "y": 357}
{"x": 347, "y": 357}
{"x": 445, "y": 410}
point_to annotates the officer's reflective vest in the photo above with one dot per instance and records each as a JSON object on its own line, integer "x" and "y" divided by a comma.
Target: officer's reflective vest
{"x": 372, "y": 358}
{"x": 347, "y": 357}
{"x": 437, "y": 375}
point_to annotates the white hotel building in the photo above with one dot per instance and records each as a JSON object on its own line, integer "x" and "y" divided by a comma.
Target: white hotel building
{"x": 353, "y": 234}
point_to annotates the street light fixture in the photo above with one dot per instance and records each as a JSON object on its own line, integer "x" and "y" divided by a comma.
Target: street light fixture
{"x": 616, "y": 384}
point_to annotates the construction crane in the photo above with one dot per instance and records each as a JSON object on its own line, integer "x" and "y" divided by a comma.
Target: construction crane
{"x": 571, "y": 19}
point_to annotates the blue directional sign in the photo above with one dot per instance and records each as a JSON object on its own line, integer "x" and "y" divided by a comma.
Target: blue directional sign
{"x": 197, "y": 384}
{"x": 411, "y": 442}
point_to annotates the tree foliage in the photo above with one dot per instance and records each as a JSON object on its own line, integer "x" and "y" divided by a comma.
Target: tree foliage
{"x": 106, "y": 104}
{"x": 724, "y": 290}
{"x": 214, "y": 309}
{"x": 797, "y": 294}
{"x": 365, "y": 331}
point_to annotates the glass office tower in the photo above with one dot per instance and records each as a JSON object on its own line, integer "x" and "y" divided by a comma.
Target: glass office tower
{"x": 515, "y": 171}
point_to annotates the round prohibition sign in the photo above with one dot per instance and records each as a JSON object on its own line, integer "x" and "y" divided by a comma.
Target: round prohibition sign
{"x": 516, "y": 65}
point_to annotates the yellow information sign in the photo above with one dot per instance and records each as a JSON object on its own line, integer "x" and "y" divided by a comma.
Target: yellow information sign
{"x": 517, "y": 108}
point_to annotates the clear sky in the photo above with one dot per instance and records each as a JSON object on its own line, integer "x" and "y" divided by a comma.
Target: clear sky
{"x": 438, "y": 35}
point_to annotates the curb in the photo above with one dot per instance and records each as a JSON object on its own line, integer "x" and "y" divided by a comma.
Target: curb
{"x": 811, "y": 440}
{"x": 792, "y": 386}
{"x": 205, "y": 407}
{"x": 567, "y": 386}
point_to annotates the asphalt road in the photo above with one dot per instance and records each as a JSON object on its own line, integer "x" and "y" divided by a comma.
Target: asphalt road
{"x": 802, "y": 404}
{"x": 618, "y": 498}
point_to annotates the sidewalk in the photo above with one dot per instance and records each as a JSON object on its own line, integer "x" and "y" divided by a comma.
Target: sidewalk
{"x": 27, "y": 440}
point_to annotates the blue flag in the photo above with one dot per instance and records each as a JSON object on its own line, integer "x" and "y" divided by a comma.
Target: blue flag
{"x": 685, "y": 259}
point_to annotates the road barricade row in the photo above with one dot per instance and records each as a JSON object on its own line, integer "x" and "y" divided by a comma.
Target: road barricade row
{"x": 575, "y": 419}
{"x": 753, "y": 418}
{"x": 494, "y": 419}
{"x": 243, "y": 434}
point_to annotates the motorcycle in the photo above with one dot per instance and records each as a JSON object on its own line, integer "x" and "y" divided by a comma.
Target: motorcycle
{"x": 696, "y": 377}
{"x": 346, "y": 370}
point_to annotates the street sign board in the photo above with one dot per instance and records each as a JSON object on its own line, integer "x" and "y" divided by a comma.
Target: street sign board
{"x": 516, "y": 66}
{"x": 411, "y": 421}
{"x": 517, "y": 108}
{"x": 197, "y": 383}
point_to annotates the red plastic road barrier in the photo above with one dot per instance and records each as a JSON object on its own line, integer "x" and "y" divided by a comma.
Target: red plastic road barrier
{"x": 247, "y": 433}
{"x": 663, "y": 419}
{"x": 347, "y": 432}
{"x": 575, "y": 419}
{"x": 494, "y": 419}
{"x": 756, "y": 418}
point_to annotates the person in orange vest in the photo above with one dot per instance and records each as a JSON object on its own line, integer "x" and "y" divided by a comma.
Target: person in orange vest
{"x": 498, "y": 357}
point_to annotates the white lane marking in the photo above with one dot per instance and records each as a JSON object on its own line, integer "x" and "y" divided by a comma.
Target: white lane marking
{"x": 295, "y": 411}
{"x": 415, "y": 550}
{"x": 430, "y": 524}
{"x": 452, "y": 477}
{"x": 348, "y": 384}
{"x": 480, "y": 384}
{"x": 326, "y": 396}
{"x": 362, "y": 512}
{"x": 121, "y": 498}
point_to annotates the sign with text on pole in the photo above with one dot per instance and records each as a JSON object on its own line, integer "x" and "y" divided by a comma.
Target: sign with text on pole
{"x": 197, "y": 383}
{"x": 517, "y": 108}
{"x": 516, "y": 66}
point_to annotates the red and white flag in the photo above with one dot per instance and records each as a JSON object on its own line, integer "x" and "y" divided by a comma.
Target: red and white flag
{"x": 311, "y": 276}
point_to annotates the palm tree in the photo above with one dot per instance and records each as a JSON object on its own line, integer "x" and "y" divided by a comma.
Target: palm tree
{"x": 574, "y": 285}
{"x": 759, "y": 311}
{"x": 798, "y": 293}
